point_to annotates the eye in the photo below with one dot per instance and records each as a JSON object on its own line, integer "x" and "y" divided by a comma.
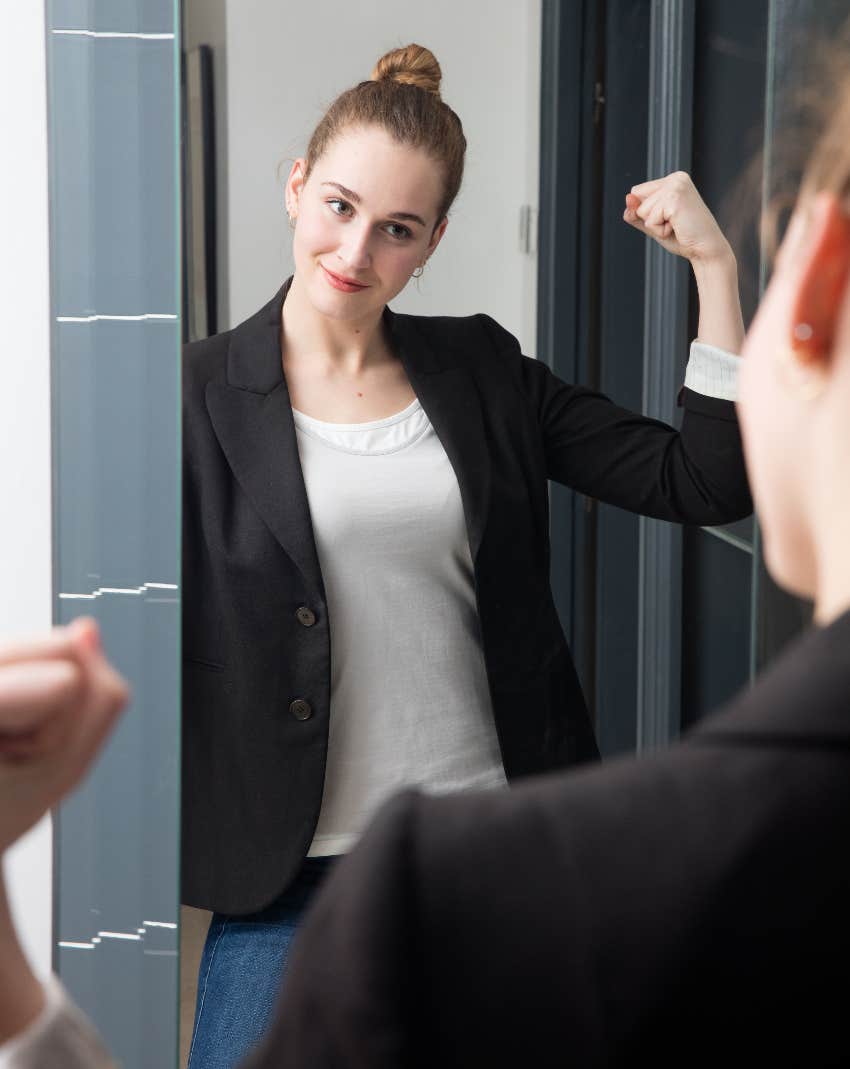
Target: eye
{"x": 339, "y": 206}
{"x": 399, "y": 232}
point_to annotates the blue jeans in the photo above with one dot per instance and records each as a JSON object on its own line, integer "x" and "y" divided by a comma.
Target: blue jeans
{"x": 241, "y": 969}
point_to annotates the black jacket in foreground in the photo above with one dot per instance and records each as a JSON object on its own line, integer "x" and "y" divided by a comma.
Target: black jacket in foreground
{"x": 686, "y": 909}
{"x": 253, "y": 762}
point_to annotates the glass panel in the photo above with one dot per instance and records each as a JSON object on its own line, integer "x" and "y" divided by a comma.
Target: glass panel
{"x": 715, "y": 623}
{"x": 730, "y": 52}
{"x": 729, "y": 106}
{"x": 113, "y": 93}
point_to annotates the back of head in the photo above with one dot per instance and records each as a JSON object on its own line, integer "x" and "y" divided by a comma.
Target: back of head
{"x": 402, "y": 97}
{"x": 794, "y": 386}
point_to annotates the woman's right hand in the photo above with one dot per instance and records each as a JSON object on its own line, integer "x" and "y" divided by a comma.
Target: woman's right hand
{"x": 59, "y": 697}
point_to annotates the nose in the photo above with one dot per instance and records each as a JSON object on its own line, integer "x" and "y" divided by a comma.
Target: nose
{"x": 354, "y": 252}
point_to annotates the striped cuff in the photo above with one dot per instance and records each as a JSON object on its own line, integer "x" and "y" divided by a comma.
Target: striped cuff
{"x": 712, "y": 372}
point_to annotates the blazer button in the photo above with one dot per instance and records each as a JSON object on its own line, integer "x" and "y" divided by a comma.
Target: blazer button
{"x": 306, "y": 616}
{"x": 300, "y": 709}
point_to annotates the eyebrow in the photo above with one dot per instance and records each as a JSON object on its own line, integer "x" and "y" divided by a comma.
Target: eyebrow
{"x": 357, "y": 199}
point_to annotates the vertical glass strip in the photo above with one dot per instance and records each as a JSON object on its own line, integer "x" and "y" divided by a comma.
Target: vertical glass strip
{"x": 113, "y": 162}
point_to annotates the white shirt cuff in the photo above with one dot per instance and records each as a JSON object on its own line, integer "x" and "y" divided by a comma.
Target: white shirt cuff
{"x": 712, "y": 372}
{"x": 61, "y": 1035}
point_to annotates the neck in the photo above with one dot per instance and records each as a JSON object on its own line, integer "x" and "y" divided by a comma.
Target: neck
{"x": 350, "y": 345}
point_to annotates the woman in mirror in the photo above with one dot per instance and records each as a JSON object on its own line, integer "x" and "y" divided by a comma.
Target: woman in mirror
{"x": 366, "y": 559}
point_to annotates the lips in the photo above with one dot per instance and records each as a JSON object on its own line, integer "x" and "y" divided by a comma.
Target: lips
{"x": 345, "y": 285}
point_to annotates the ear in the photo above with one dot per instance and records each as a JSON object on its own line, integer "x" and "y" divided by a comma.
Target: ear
{"x": 824, "y": 256}
{"x": 436, "y": 237}
{"x": 295, "y": 184}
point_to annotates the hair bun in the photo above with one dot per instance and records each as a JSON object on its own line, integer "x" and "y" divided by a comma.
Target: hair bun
{"x": 411, "y": 65}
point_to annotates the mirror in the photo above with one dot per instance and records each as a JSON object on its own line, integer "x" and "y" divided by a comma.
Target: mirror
{"x": 247, "y": 123}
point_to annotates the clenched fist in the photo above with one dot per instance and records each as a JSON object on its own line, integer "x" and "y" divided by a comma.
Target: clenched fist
{"x": 59, "y": 697}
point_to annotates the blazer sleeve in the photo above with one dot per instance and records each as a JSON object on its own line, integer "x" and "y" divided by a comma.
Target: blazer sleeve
{"x": 350, "y": 990}
{"x": 693, "y": 475}
{"x": 428, "y": 943}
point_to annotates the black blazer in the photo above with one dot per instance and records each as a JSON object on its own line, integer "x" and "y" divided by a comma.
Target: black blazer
{"x": 685, "y": 909}
{"x": 256, "y": 680}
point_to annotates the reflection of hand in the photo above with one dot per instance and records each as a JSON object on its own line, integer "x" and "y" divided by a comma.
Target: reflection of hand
{"x": 59, "y": 697}
{"x": 671, "y": 211}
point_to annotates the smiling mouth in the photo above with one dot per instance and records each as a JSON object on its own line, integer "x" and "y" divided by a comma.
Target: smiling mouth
{"x": 347, "y": 285}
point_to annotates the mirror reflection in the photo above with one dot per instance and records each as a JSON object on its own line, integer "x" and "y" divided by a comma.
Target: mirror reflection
{"x": 368, "y": 602}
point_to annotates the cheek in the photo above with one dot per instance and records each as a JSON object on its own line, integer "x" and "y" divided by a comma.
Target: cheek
{"x": 313, "y": 234}
{"x": 774, "y": 448}
{"x": 401, "y": 260}
{"x": 763, "y": 405}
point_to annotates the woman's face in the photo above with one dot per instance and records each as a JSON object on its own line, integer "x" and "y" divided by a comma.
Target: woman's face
{"x": 365, "y": 221}
{"x": 776, "y": 423}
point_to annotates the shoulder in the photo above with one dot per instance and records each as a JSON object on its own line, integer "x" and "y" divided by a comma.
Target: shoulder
{"x": 476, "y": 342}
{"x": 479, "y": 330}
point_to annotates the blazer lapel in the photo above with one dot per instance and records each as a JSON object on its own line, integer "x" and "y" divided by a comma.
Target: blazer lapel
{"x": 451, "y": 401}
{"x": 252, "y": 418}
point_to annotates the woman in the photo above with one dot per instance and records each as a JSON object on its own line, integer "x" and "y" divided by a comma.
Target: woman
{"x": 697, "y": 912}
{"x": 366, "y": 577}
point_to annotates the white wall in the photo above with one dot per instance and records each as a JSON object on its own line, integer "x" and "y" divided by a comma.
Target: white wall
{"x": 25, "y": 551}
{"x": 285, "y": 63}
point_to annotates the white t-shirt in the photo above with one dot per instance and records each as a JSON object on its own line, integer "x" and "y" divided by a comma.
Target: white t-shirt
{"x": 410, "y": 703}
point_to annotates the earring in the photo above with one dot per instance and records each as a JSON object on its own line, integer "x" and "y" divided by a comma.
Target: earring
{"x": 293, "y": 219}
{"x": 419, "y": 272}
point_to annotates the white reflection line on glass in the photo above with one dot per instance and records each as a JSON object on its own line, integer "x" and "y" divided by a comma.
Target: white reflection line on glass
{"x": 161, "y": 953}
{"x": 134, "y": 591}
{"x": 134, "y": 937}
{"x": 116, "y": 33}
{"x": 115, "y": 319}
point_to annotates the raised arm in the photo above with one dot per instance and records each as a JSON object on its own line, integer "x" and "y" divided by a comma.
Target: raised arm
{"x": 671, "y": 211}
{"x": 58, "y": 700}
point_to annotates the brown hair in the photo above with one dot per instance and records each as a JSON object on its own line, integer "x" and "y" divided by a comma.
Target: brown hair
{"x": 402, "y": 97}
{"x": 812, "y": 152}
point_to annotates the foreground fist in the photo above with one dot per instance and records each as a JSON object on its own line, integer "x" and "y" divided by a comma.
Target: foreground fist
{"x": 671, "y": 211}
{"x": 59, "y": 697}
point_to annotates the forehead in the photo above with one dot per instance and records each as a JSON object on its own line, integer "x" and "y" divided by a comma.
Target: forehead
{"x": 388, "y": 176}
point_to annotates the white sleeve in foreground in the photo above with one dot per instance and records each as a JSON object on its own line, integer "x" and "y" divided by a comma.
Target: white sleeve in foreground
{"x": 60, "y": 1036}
{"x": 712, "y": 372}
